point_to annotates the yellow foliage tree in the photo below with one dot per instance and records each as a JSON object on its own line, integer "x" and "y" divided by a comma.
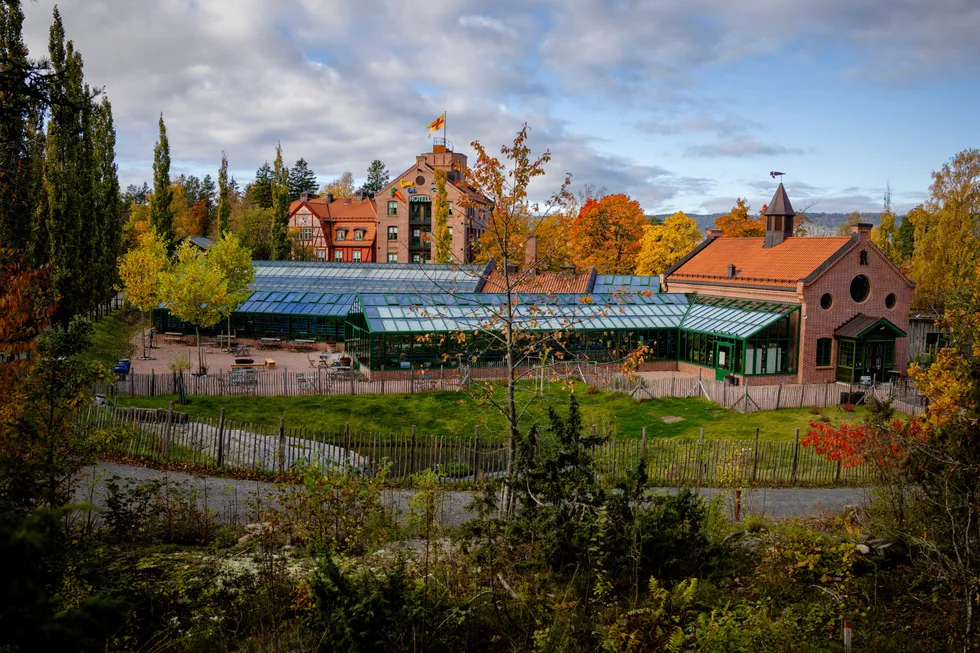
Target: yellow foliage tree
{"x": 141, "y": 271}
{"x": 234, "y": 262}
{"x": 665, "y": 244}
{"x": 342, "y": 186}
{"x": 195, "y": 292}
{"x": 946, "y": 243}
{"x": 440, "y": 210}
{"x": 137, "y": 224}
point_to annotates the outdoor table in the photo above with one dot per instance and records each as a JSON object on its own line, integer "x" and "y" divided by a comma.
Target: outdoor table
{"x": 303, "y": 345}
{"x": 269, "y": 343}
{"x": 173, "y": 337}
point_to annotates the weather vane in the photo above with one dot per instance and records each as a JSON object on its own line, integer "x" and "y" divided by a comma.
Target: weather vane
{"x": 774, "y": 174}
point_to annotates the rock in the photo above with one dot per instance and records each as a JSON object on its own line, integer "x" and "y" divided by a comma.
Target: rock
{"x": 863, "y": 548}
{"x": 245, "y": 539}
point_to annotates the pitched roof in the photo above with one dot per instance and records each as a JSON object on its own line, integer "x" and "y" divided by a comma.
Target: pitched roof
{"x": 340, "y": 209}
{"x": 318, "y": 207}
{"x": 546, "y": 282}
{"x": 784, "y": 265}
{"x": 862, "y": 325}
{"x": 779, "y": 205}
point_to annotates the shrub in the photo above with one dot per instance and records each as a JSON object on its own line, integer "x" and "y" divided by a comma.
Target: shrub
{"x": 848, "y": 408}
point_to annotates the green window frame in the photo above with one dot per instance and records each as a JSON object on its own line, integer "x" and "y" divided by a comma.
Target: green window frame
{"x": 845, "y": 353}
{"x": 825, "y": 347}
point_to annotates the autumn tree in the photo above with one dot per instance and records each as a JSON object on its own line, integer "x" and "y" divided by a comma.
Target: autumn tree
{"x": 946, "y": 243}
{"x": 851, "y": 220}
{"x": 440, "y": 220}
{"x": 377, "y": 177}
{"x": 280, "y": 208}
{"x": 161, "y": 213}
{"x": 190, "y": 216}
{"x": 665, "y": 244}
{"x": 342, "y": 186}
{"x": 552, "y": 233}
{"x": 885, "y": 234}
{"x": 301, "y": 180}
{"x": 141, "y": 271}
{"x": 234, "y": 263}
{"x": 738, "y": 224}
{"x": 195, "y": 292}
{"x": 606, "y": 234}
{"x": 253, "y": 225}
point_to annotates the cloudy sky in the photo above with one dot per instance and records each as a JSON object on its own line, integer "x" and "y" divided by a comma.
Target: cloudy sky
{"x": 683, "y": 105}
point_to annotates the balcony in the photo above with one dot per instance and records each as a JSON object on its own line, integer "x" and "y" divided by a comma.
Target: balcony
{"x": 439, "y": 141}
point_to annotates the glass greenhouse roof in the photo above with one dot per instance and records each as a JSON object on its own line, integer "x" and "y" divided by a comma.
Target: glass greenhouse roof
{"x": 313, "y": 304}
{"x": 414, "y": 313}
{"x": 609, "y": 283}
{"x": 302, "y": 276}
{"x": 738, "y": 318}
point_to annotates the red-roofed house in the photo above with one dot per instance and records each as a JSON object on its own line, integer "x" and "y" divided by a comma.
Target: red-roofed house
{"x": 342, "y": 229}
{"x": 853, "y": 303}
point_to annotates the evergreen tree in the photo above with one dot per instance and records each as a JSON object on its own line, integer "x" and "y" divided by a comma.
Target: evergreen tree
{"x": 161, "y": 215}
{"x": 68, "y": 172}
{"x": 208, "y": 195}
{"x": 905, "y": 238}
{"x": 259, "y": 192}
{"x": 224, "y": 196}
{"x": 108, "y": 205}
{"x": 377, "y": 177}
{"x": 16, "y": 213}
{"x": 280, "y": 208}
{"x": 302, "y": 180}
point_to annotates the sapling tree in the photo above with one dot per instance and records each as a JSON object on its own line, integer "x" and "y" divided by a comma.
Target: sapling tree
{"x": 196, "y": 292}
{"x": 234, "y": 263}
{"x": 141, "y": 271}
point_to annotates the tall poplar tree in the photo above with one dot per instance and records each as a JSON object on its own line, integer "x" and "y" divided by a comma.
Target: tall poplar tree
{"x": 107, "y": 201}
{"x": 280, "y": 206}
{"x": 161, "y": 215}
{"x": 440, "y": 211}
{"x": 16, "y": 214}
{"x": 224, "y": 196}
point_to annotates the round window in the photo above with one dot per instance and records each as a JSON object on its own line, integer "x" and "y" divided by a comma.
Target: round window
{"x": 860, "y": 288}
{"x": 890, "y": 300}
{"x": 420, "y": 181}
{"x": 826, "y": 301}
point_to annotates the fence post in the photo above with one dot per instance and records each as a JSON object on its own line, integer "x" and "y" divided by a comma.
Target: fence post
{"x": 643, "y": 444}
{"x": 285, "y": 382}
{"x": 153, "y": 383}
{"x": 347, "y": 451}
{"x": 796, "y": 454}
{"x": 779, "y": 394}
{"x": 476, "y": 455}
{"x": 221, "y": 437}
{"x": 411, "y": 459}
{"x": 838, "y": 471}
{"x": 383, "y": 378}
{"x": 826, "y": 394}
{"x": 282, "y": 444}
{"x": 700, "y": 455}
{"x": 755, "y": 455}
{"x": 132, "y": 385}
{"x": 595, "y": 434}
{"x": 745, "y": 400}
{"x": 170, "y": 431}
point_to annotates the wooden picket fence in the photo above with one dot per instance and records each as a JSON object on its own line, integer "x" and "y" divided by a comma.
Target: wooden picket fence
{"x": 743, "y": 398}
{"x": 169, "y": 436}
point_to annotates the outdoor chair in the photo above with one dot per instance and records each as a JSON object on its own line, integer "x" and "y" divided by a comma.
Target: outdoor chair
{"x": 304, "y": 383}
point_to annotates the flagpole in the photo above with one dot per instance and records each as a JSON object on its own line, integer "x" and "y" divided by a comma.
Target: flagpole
{"x": 445, "y": 118}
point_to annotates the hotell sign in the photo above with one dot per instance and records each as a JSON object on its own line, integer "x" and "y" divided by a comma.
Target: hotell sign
{"x": 419, "y": 198}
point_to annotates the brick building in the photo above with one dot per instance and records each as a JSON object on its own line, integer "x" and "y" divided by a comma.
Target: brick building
{"x": 340, "y": 230}
{"x": 405, "y": 209}
{"x": 847, "y": 305}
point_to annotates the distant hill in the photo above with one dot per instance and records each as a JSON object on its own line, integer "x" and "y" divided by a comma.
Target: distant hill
{"x": 824, "y": 224}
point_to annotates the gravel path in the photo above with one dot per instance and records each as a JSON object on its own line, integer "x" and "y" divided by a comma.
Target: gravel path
{"x": 230, "y": 500}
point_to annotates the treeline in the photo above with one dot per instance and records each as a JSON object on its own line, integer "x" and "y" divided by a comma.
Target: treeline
{"x": 59, "y": 189}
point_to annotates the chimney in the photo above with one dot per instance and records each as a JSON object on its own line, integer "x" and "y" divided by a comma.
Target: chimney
{"x": 568, "y": 270}
{"x": 512, "y": 268}
{"x": 731, "y": 271}
{"x": 304, "y": 196}
{"x": 329, "y": 198}
{"x": 779, "y": 219}
{"x": 863, "y": 230}
{"x": 531, "y": 254}
{"x": 359, "y": 195}
{"x": 713, "y": 233}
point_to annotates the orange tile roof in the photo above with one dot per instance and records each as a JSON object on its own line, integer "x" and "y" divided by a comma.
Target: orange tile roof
{"x": 547, "y": 282}
{"x": 368, "y": 241}
{"x": 318, "y": 207}
{"x": 353, "y": 209}
{"x": 782, "y": 265}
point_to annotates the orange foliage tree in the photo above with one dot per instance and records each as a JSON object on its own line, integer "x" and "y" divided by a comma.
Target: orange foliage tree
{"x": 607, "y": 234}
{"x": 737, "y": 223}
{"x": 26, "y": 307}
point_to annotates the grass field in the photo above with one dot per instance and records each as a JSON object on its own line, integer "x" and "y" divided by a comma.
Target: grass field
{"x": 457, "y": 413}
{"x": 111, "y": 338}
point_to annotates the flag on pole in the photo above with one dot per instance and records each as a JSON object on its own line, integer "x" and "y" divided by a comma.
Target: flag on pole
{"x": 437, "y": 124}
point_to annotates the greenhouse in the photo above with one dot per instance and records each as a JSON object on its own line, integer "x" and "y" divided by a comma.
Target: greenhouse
{"x": 399, "y": 331}
{"x": 310, "y": 300}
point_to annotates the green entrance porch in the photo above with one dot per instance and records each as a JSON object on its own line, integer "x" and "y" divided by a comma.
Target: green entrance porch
{"x": 866, "y": 349}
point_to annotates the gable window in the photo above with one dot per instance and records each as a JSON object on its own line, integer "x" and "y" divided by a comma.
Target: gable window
{"x": 358, "y": 234}
{"x": 392, "y": 233}
{"x": 393, "y": 207}
{"x": 826, "y": 301}
{"x": 356, "y": 256}
{"x": 392, "y": 257}
{"x": 320, "y": 254}
{"x": 306, "y": 233}
{"x": 338, "y": 256}
{"x": 341, "y": 234}
{"x": 860, "y": 288}
{"x": 824, "y": 348}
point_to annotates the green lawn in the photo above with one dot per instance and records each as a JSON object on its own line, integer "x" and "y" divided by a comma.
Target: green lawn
{"x": 453, "y": 413}
{"x": 111, "y": 338}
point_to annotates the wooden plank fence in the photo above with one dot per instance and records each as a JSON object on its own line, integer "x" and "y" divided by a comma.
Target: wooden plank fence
{"x": 170, "y": 436}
